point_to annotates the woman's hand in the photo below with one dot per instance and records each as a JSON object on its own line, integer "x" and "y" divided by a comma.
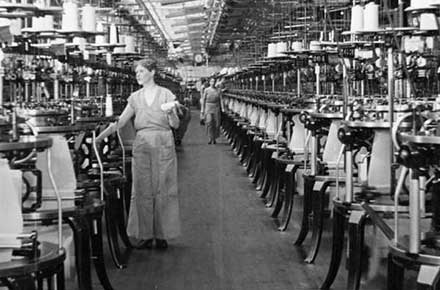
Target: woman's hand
{"x": 108, "y": 131}
{"x": 99, "y": 139}
{"x": 169, "y": 110}
{"x": 170, "y": 107}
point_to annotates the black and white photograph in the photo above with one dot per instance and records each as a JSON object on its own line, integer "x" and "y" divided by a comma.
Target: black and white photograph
{"x": 219, "y": 144}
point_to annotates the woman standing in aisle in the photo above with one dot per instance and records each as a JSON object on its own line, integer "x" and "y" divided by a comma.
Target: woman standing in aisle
{"x": 211, "y": 111}
{"x": 203, "y": 87}
{"x": 154, "y": 208}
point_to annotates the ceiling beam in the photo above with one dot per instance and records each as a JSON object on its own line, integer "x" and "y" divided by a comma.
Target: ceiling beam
{"x": 141, "y": 3}
{"x": 195, "y": 33}
{"x": 173, "y": 2}
{"x": 188, "y": 30}
{"x": 185, "y": 11}
{"x": 179, "y": 22}
{"x": 184, "y": 23}
{"x": 181, "y": 31}
{"x": 195, "y": 19}
{"x": 199, "y": 26}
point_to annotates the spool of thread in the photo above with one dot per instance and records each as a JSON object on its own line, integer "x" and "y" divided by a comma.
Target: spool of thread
{"x": 42, "y": 23}
{"x": 100, "y": 39}
{"x": 113, "y": 34}
{"x": 70, "y": 16}
{"x": 363, "y": 54}
{"x": 86, "y": 54}
{"x": 297, "y": 46}
{"x": 272, "y": 50}
{"x": 129, "y": 44}
{"x": 357, "y": 18}
{"x": 108, "y": 106}
{"x": 37, "y": 23}
{"x": 378, "y": 51}
{"x": 371, "y": 17}
{"x": 420, "y": 3}
{"x": 81, "y": 42}
{"x": 48, "y": 22}
{"x": 281, "y": 48}
{"x": 88, "y": 18}
{"x": 108, "y": 58}
{"x": 413, "y": 44}
{"x": 428, "y": 21}
{"x": 437, "y": 104}
{"x": 15, "y": 26}
{"x": 430, "y": 43}
{"x": 314, "y": 45}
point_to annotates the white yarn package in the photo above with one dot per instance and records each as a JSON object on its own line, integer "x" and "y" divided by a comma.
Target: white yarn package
{"x": 113, "y": 34}
{"x": 168, "y": 106}
{"x": 70, "y": 19}
{"x": 108, "y": 106}
{"x": 88, "y": 19}
{"x": 297, "y": 46}
{"x": 272, "y": 50}
{"x": 357, "y": 18}
{"x": 371, "y": 17}
{"x": 428, "y": 21}
{"x": 130, "y": 43}
{"x": 281, "y": 48}
{"x": 315, "y": 45}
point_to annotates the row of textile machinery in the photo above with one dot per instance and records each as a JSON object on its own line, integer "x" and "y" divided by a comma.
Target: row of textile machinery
{"x": 65, "y": 74}
{"x": 348, "y": 124}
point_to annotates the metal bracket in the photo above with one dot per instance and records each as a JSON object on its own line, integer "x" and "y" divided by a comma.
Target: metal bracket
{"x": 318, "y": 185}
{"x": 428, "y": 275}
{"x": 356, "y": 216}
{"x": 290, "y": 168}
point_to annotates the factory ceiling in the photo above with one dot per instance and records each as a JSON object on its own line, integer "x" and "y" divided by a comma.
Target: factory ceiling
{"x": 192, "y": 29}
{"x": 184, "y": 26}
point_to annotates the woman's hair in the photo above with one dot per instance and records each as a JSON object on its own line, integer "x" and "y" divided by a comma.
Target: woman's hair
{"x": 147, "y": 63}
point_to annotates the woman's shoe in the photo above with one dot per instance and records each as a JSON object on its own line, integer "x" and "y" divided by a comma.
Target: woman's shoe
{"x": 161, "y": 244}
{"x": 210, "y": 142}
{"x": 214, "y": 142}
{"x": 145, "y": 244}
